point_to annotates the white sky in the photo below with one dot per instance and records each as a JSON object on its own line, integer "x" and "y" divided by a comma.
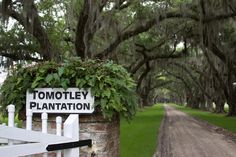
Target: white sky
{"x": 2, "y": 77}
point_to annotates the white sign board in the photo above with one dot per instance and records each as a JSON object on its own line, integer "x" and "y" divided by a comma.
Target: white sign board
{"x": 58, "y": 100}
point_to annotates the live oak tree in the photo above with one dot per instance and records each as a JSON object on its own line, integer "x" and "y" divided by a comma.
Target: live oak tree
{"x": 141, "y": 35}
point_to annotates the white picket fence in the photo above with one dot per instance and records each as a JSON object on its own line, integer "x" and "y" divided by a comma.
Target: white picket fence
{"x": 22, "y": 142}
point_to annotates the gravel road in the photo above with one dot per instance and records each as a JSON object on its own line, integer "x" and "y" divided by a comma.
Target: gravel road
{"x": 183, "y": 136}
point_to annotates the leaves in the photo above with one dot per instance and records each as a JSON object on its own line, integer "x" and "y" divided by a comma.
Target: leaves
{"x": 49, "y": 78}
{"x": 110, "y": 83}
{"x": 61, "y": 71}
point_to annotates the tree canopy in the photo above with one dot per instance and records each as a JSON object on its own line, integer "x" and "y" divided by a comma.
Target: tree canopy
{"x": 180, "y": 48}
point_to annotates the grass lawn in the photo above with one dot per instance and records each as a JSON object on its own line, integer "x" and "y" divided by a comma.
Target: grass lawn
{"x": 220, "y": 120}
{"x": 139, "y": 137}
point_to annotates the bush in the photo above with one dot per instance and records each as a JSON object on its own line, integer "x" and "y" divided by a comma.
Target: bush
{"x": 4, "y": 119}
{"x": 111, "y": 84}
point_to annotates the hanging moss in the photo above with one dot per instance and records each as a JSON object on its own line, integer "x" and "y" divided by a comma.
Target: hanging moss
{"x": 111, "y": 84}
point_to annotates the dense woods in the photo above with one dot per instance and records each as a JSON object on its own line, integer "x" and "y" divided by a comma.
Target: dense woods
{"x": 176, "y": 50}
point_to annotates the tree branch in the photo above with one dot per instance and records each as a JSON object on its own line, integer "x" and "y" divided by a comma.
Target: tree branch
{"x": 20, "y": 56}
{"x": 33, "y": 25}
{"x": 187, "y": 86}
{"x": 141, "y": 27}
{"x": 143, "y": 75}
{"x": 198, "y": 84}
{"x": 122, "y": 5}
{"x": 219, "y": 17}
{"x": 154, "y": 57}
{"x": 160, "y": 85}
{"x": 144, "y": 26}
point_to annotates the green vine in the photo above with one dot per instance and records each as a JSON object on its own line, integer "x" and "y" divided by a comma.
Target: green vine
{"x": 111, "y": 84}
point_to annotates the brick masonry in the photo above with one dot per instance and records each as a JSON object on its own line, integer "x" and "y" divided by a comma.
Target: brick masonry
{"x": 104, "y": 134}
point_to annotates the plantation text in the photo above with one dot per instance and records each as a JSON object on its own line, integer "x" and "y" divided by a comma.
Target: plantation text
{"x": 58, "y": 100}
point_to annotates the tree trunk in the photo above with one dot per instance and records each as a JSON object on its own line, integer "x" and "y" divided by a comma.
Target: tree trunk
{"x": 220, "y": 106}
{"x": 143, "y": 100}
{"x": 232, "y": 110}
{"x": 144, "y": 95}
{"x": 80, "y": 30}
{"x": 209, "y": 105}
{"x": 232, "y": 104}
{"x": 202, "y": 102}
{"x": 231, "y": 99}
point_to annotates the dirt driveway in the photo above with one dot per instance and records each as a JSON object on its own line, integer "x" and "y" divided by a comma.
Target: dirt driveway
{"x": 183, "y": 136}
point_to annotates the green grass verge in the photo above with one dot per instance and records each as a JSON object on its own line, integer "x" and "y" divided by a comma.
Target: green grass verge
{"x": 228, "y": 123}
{"x": 139, "y": 137}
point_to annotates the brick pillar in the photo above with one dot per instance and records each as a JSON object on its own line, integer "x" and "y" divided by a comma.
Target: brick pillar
{"x": 104, "y": 134}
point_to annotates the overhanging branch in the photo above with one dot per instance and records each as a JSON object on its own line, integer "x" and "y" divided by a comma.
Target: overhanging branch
{"x": 32, "y": 25}
{"x": 20, "y": 56}
{"x": 144, "y": 26}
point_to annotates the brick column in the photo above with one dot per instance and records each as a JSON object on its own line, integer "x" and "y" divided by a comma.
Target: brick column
{"x": 104, "y": 134}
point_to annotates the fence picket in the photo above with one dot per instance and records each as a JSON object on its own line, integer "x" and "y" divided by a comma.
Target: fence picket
{"x": 11, "y": 115}
{"x": 44, "y": 117}
{"x": 39, "y": 141}
{"x": 59, "y": 131}
{"x": 29, "y": 115}
{"x": 71, "y": 126}
{"x": 11, "y": 118}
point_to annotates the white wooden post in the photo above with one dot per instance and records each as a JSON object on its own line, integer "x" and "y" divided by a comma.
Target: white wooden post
{"x": 59, "y": 123}
{"x": 58, "y": 127}
{"x": 11, "y": 117}
{"x": 71, "y": 130}
{"x": 29, "y": 115}
{"x": 44, "y": 117}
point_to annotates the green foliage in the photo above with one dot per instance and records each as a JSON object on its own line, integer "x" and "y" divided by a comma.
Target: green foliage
{"x": 138, "y": 138}
{"x": 111, "y": 84}
{"x": 4, "y": 119}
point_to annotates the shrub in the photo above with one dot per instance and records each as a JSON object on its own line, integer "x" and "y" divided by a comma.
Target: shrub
{"x": 111, "y": 84}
